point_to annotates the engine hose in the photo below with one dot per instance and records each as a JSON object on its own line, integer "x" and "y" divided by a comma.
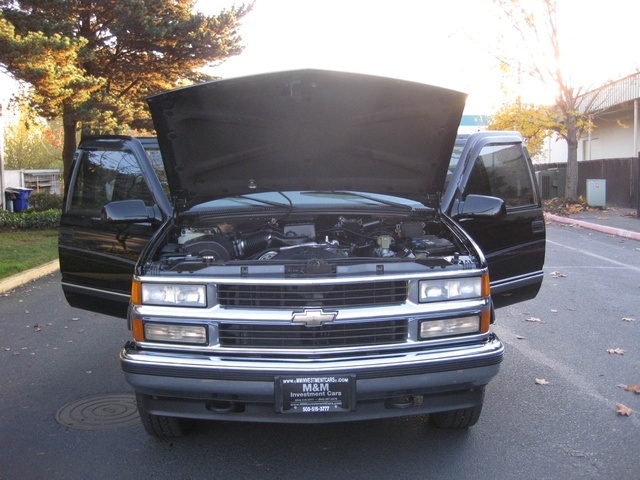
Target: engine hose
{"x": 257, "y": 242}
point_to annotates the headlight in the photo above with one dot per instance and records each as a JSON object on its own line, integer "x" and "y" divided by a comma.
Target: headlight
{"x": 449, "y": 327}
{"x": 173, "y": 295}
{"x": 174, "y": 333}
{"x": 438, "y": 290}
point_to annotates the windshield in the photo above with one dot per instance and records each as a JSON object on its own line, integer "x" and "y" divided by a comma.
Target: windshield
{"x": 306, "y": 200}
{"x": 453, "y": 162}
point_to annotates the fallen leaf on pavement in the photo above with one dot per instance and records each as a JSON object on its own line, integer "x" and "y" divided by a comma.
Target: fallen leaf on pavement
{"x": 623, "y": 409}
{"x": 617, "y": 351}
{"x": 540, "y": 381}
{"x": 533, "y": 319}
{"x": 632, "y": 388}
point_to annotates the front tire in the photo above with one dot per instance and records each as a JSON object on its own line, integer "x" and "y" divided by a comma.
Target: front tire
{"x": 161, "y": 426}
{"x": 457, "y": 419}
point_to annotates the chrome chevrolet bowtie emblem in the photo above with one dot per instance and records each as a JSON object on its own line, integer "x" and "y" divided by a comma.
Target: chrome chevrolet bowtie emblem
{"x": 313, "y": 318}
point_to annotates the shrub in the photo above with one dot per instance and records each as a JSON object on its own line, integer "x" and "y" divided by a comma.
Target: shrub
{"x": 42, "y": 202}
{"x": 30, "y": 219}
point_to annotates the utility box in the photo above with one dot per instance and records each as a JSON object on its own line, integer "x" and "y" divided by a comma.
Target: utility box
{"x": 552, "y": 182}
{"x": 597, "y": 192}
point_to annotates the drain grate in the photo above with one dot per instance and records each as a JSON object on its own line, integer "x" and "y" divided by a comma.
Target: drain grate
{"x": 100, "y": 412}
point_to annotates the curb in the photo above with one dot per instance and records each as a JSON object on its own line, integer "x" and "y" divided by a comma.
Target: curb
{"x": 14, "y": 281}
{"x": 593, "y": 226}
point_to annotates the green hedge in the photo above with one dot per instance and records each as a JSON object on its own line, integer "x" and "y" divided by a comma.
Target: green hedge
{"x": 41, "y": 202}
{"x": 30, "y": 219}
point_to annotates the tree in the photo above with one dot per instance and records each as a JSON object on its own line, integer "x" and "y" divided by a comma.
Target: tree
{"x": 539, "y": 31}
{"x": 93, "y": 62}
{"x": 32, "y": 143}
{"x": 534, "y": 122}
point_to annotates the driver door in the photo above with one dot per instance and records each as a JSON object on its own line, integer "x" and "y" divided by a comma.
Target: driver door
{"x": 97, "y": 257}
{"x": 496, "y": 164}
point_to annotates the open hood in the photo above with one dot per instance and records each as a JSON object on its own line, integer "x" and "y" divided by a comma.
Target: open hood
{"x": 306, "y": 130}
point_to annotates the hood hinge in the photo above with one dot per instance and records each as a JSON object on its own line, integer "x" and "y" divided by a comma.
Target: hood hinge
{"x": 179, "y": 204}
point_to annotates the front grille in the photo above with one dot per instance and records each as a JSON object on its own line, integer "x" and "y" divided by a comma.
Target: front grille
{"x": 302, "y": 296}
{"x": 325, "y": 336}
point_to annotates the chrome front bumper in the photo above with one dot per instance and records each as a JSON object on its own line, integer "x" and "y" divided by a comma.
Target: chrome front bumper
{"x": 188, "y": 385}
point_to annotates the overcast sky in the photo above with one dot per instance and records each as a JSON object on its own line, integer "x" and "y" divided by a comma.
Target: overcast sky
{"x": 450, "y": 43}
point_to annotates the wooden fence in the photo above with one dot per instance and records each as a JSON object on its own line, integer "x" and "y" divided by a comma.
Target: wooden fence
{"x": 622, "y": 177}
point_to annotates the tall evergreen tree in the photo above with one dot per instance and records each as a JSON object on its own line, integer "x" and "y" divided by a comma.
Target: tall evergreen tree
{"x": 92, "y": 62}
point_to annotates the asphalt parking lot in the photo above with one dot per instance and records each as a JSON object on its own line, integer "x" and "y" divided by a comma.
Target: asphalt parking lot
{"x": 67, "y": 413}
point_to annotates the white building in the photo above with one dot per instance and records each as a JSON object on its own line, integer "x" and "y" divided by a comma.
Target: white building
{"x": 610, "y": 151}
{"x": 615, "y": 113}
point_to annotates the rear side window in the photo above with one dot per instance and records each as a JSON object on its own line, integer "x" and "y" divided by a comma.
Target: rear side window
{"x": 502, "y": 171}
{"x": 106, "y": 176}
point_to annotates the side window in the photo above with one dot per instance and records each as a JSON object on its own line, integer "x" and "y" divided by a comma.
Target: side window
{"x": 502, "y": 171}
{"x": 106, "y": 176}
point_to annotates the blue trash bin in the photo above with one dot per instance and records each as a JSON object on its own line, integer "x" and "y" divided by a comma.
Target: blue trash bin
{"x": 20, "y": 198}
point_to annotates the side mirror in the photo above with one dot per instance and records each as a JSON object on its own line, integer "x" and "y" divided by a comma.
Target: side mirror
{"x": 129, "y": 211}
{"x": 482, "y": 206}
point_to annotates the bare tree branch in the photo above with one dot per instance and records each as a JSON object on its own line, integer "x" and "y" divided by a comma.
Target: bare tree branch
{"x": 541, "y": 40}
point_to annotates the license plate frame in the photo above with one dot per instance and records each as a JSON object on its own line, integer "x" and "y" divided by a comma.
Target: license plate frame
{"x": 315, "y": 394}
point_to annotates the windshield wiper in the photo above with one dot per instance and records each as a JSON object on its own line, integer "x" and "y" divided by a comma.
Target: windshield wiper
{"x": 271, "y": 203}
{"x": 373, "y": 198}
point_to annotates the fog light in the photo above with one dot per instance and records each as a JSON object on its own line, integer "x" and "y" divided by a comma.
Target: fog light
{"x": 173, "y": 333}
{"x": 449, "y": 326}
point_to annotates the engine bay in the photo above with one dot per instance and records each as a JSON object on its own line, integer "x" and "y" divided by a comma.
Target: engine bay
{"x": 327, "y": 238}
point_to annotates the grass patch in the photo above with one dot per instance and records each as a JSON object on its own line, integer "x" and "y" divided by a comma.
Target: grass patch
{"x": 21, "y": 251}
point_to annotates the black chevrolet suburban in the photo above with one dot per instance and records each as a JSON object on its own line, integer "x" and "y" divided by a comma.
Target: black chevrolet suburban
{"x": 304, "y": 246}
